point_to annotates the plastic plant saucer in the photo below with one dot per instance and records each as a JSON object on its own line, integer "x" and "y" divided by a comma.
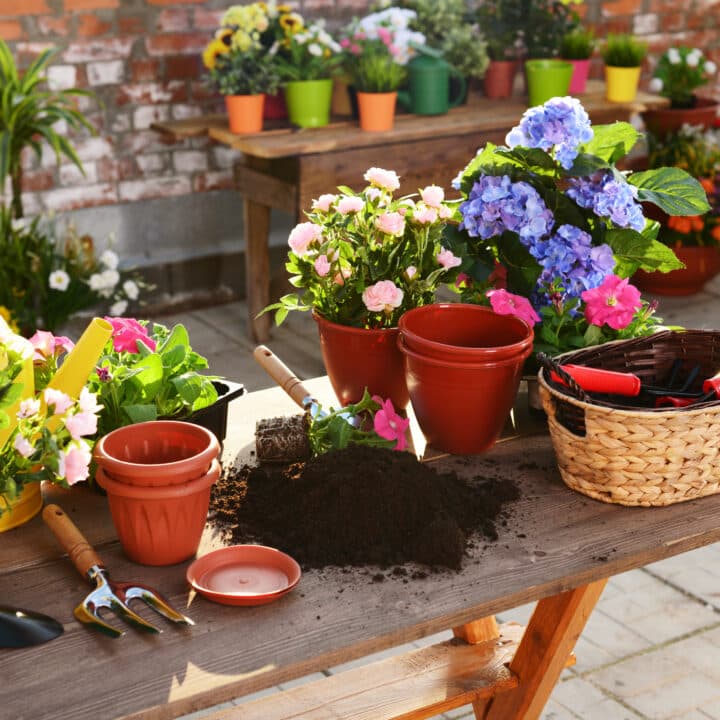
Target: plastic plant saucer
{"x": 244, "y": 575}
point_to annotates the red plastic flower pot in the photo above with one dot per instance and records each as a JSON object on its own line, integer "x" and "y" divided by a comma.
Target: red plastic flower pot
{"x": 461, "y": 332}
{"x": 160, "y": 525}
{"x": 461, "y": 407}
{"x": 356, "y": 358}
{"x": 156, "y": 453}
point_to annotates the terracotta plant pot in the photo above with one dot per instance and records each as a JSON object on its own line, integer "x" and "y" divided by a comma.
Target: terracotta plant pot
{"x": 578, "y": 81}
{"x": 621, "y": 83}
{"x": 377, "y": 111}
{"x": 499, "y": 78}
{"x": 701, "y": 265}
{"x": 464, "y": 333}
{"x": 461, "y": 407}
{"x": 662, "y": 121}
{"x": 160, "y": 525}
{"x": 356, "y": 358}
{"x": 245, "y": 113}
{"x": 157, "y": 453}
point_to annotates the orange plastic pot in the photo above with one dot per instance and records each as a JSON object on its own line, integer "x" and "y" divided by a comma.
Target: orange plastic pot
{"x": 160, "y": 525}
{"x": 245, "y": 113}
{"x": 356, "y": 358}
{"x": 462, "y": 332}
{"x": 376, "y": 110}
{"x": 156, "y": 453}
{"x": 461, "y": 407}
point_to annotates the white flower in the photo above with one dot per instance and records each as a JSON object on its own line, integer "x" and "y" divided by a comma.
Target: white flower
{"x": 118, "y": 308}
{"x": 693, "y": 59}
{"x": 19, "y": 224}
{"x": 23, "y": 446}
{"x": 59, "y": 280}
{"x": 710, "y": 67}
{"x": 315, "y": 49}
{"x": 655, "y": 85}
{"x": 104, "y": 283}
{"x": 131, "y": 289}
{"x": 109, "y": 259}
{"x": 673, "y": 56}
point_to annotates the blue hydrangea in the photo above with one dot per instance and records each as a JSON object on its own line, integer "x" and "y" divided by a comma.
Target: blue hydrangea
{"x": 496, "y": 204}
{"x": 561, "y": 123}
{"x": 608, "y": 197}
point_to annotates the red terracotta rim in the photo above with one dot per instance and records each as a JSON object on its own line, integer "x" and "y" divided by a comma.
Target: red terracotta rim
{"x": 492, "y": 364}
{"x": 349, "y": 328}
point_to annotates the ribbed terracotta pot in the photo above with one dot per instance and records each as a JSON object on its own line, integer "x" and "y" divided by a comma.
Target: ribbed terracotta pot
{"x": 663, "y": 121}
{"x": 356, "y": 358}
{"x": 701, "y": 265}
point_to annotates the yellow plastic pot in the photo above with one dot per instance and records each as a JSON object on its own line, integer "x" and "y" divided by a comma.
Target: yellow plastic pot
{"x": 621, "y": 83}
{"x": 25, "y": 507}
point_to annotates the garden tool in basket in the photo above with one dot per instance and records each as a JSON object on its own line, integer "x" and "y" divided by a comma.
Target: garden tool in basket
{"x": 106, "y": 595}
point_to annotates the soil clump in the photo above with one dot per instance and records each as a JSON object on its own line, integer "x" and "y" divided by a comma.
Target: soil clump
{"x": 360, "y": 506}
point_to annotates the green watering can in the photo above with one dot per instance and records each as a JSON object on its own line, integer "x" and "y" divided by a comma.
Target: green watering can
{"x": 428, "y": 90}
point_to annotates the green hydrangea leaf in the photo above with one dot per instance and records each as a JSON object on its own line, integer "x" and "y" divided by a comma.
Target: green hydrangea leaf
{"x": 612, "y": 142}
{"x": 672, "y": 190}
{"x": 634, "y": 251}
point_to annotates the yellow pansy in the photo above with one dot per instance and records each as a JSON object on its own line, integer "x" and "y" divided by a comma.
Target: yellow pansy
{"x": 210, "y": 55}
{"x": 225, "y": 35}
{"x": 291, "y": 23}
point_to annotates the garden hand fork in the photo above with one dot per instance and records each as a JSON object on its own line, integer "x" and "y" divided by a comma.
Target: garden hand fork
{"x": 106, "y": 595}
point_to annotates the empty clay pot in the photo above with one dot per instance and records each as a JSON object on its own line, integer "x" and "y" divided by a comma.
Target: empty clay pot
{"x": 461, "y": 332}
{"x": 461, "y": 407}
{"x": 155, "y": 453}
{"x": 160, "y": 525}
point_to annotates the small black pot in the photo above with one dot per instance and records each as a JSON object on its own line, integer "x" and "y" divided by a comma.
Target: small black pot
{"x": 214, "y": 417}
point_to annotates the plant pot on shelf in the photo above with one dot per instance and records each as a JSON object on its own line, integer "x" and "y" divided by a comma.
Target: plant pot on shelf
{"x": 23, "y": 508}
{"x": 662, "y": 121}
{"x": 356, "y": 358}
{"x": 701, "y": 265}
{"x": 214, "y": 417}
{"x": 621, "y": 83}
{"x": 342, "y": 103}
{"x": 578, "y": 81}
{"x": 547, "y": 79}
{"x": 308, "y": 102}
{"x": 275, "y": 107}
{"x": 245, "y": 113}
{"x": 499, "y": 79}
{"x": 376, "y": 110}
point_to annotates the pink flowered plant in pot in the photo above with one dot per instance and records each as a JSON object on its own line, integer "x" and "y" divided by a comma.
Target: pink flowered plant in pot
{"x": 361, "y": 260}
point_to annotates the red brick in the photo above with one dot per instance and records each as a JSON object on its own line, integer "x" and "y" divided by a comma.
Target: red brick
{"x": 176, "y": 44}
{"x": 24, "y": 7}
{"x": 51, "y": 25}
{"x": 222, "y": 180}
{"x": 151, "y": 93}
{"x": 80, "y": 197}
{"x": 616, "y": 8}
{"x": 183, "y": 67}
{"x": 202, "y": 91}
{"x": 38, "y": 180}
{"x": 111, "y": 48}
{"x": 171, "y": 2}
{"x": 90, "y": 4}
{"x": 10, "y": 30}
{"x": 208, "y": 19}
{"x": 112, "y": 169}
{"x": 131, "y": 24}
{"x": 90, "y": 25}
{"x": 154, "y": 188}
{"x": 144, "y": 70}
{"x": 173, "y": 20}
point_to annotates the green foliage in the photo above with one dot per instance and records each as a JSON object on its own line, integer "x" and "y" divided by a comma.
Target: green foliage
{"x": 28, "y": 114}
{"x": 691, "y": 148}
{"x": 624, "y": 50}
{"x": 245, "y": 73}
{"x": 376, "y": 71}
{"x": 310, "y": 54}
{"x": 672, "y": 190}
{"x": 501, "y": 22}
{"x": 545, "y": 24}
{"x": 578, "y": 44}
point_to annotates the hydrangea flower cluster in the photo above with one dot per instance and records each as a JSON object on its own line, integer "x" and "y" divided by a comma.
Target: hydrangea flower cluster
{"x": 362, "y": 259}
{"x": 551, "y": 231}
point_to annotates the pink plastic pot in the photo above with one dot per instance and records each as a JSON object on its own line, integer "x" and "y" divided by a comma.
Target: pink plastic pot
{"x": 462, "y": 332}
{"x": 155, "y": 453}
{"x": 461, "y": 407}
{"x": 160, "y": 525}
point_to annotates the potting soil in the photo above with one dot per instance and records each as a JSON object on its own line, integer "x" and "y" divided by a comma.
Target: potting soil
{"x": 360, "y": 506}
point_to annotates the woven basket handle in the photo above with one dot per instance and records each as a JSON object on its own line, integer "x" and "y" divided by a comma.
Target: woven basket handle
{"x": 552, "y": 366}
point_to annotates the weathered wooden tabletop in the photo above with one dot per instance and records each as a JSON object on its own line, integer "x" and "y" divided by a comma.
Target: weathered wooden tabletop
{"x": 555, "y": 540}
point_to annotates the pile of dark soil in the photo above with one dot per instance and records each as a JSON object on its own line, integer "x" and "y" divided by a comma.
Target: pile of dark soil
{"x": 359, "y": 506}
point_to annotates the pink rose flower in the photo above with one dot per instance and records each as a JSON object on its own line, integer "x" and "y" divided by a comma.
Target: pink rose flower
{"x": 426, "y": 215}
{"x": 324, "y": 202}
{"x": 383, "y": 179}
{"x": 58, "y": 400}
{"x": 612, "y": 303}
{"x": 446, "y": 258}
{"x": 383, "y": 296}
{"x": 126, "y": 334}
{"x": 345, "y": 43}
{"x": 433, "y": 195}
{"x": 392, "y": 223}
{"x": 505, "y": 303}
{"x": 322, "y": 266}
{"x": 75, "y": 462}
{"x": 389, "y": 425}
{"x": 23, "y": 446}
{"x": 81, "y": 424}
{"x": 302, "y": 236}
{"x": 350, "y": 204}
{"x": 445, "y": 212}
{"x": 373, "y": 194}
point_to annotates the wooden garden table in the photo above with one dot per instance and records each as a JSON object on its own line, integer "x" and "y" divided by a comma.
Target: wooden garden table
{"x": 559, "y": 548}
{"x": 286, "y": 168}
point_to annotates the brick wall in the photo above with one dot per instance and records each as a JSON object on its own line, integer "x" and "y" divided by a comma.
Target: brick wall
{"x": 141, "y": 57}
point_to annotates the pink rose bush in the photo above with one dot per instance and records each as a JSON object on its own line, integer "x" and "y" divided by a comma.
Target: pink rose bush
{"x": 363, "y": 258}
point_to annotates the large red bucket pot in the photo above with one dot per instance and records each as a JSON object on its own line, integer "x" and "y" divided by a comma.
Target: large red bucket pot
{"x": 160, "y": 525}
{"x": 356, "y": 358}
{"x": 462, "y": 332}
{"x": 159, "y": 452}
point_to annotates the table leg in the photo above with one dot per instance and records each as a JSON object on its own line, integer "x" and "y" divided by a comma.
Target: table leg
{"x": 256, "y": 218}
{"x": 549, "y": 638}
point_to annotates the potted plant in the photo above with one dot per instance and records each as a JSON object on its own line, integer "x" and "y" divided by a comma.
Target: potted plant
{"x": 312, "y": 59}
{"x": 623, "y": 55}
{"x": 241, "y": 67}
{"x": 545, "y": 24}
{"x": 679, "y": 72}
{"x": 577, "y": 47}
{"x": 552, "y": 232}
{"x": 361, "y": 260}
{"x": 500, "y": 21}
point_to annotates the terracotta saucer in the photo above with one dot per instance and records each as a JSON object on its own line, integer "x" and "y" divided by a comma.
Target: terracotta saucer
{"x": 244, "y": 575}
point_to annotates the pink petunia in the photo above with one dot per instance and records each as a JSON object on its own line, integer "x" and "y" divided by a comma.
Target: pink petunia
{"x": 324, "y": 202}
{"x": 612, "y": 303}
{"x": 302, "y": 236}
{"x": 425, "y": 215}
{"x": 87, "y": 402}
{"x": 384, "y": 179}
{"x": 81, "y": 425}
{"x": 43, "y": 343}
{"x": 463, "y": 280}
{"x": 349, "y": 204}
{"x": 388, "y": 424}
{"x": 385, "y": 35}
{"x": 392, "y": 223}
{"x": 383, "y": 296}
{"x": 505, "y": 303}
{"x": 447, "y": 259}
{"x": 322, "y": 266}
{"x": 126, "y": 334}
{"x": 23, "y": 446}
{"x": 58, "y": 400}
{"x": 28, "y": 408}
{"x": 76, "y": 462}
{"x": 433, "y": 195}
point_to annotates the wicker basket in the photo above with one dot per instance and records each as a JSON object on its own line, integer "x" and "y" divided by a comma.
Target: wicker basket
{"x": 636, "y": 456}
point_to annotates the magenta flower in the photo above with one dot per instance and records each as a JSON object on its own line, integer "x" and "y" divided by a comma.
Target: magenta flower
{"x": 433, "y": 195}
{"x": 322, "y": 266}
{"x": 392, "y": 223}
{"x": 505, "y": 303}
{"x": 383, "y": 179}
{"x": 612, "y": 303}
{"x": 302, "y": 236}
{"x": 126, "y": 334}
{"x": 383, "y": 296}
{"x": 388, "y": 424}
{"x": 446, "y": 258}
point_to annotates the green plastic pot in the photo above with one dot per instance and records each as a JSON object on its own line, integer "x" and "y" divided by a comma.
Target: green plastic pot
{"x": 547, "y": 79}
{"x": 309, "y": 101}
